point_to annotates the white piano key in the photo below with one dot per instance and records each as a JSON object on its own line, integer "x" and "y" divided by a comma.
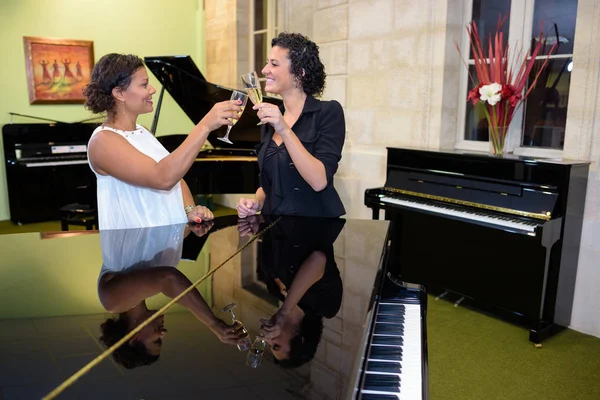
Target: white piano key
{"x": 473, "y": 216}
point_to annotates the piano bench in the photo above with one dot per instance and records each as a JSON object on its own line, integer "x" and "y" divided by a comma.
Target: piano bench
{"x": 78, "y": 214}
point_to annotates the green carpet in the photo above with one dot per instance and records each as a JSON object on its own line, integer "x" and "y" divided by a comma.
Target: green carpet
{"x": 474, "y": 356}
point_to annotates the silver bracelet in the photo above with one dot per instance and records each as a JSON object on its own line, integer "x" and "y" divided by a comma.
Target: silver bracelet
{"x": 188, "y": 209}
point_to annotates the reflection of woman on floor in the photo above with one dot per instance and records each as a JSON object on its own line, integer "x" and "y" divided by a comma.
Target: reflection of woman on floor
{"x": 299, "y": 268}
{"x": 138, "y": 264}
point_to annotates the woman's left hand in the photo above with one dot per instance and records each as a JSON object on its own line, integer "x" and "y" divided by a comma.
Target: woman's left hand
{"x": 199, "y": 214}
{"x": 271, "y": 114}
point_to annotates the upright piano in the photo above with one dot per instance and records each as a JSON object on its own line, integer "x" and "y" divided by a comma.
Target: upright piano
{"x": 224, "y": 168}
{"x": 46, "y": 168}
{"x": 501, "y": 235}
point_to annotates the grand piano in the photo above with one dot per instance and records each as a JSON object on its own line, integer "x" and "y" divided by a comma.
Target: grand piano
{"x": 501, "y": 235}
{"x": 224, "y": 168}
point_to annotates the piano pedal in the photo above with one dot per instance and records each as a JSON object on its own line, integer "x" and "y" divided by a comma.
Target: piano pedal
{"x": 441, "y": 296}
{"x": 457, "y": 302}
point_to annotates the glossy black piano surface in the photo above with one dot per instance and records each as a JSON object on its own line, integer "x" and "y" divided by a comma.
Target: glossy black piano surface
{"x": 52, "y": 305}
{"x": 499, "y": 234}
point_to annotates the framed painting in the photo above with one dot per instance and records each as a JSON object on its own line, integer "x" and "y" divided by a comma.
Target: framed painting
{"x": 57, "y": 69}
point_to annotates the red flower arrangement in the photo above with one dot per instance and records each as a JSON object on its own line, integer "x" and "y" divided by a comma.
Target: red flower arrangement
{"x": 500, "y": 87}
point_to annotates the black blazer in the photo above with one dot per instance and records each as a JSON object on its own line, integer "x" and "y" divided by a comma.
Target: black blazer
{"x": 322, "y": 130}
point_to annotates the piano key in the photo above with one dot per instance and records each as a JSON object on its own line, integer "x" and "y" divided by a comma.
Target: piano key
{"x": 390, "y": 308}
{"x": 378, "y": 396}
{"x": 394, "y": 319}
{"x": 386, "y": 353}
{"x": 388, "y": 329}
{"x": 383, "y": 366}
{"x": 388, "y": 340}
{"x": 383, "y": 383}
{"x": 463, "y": 214}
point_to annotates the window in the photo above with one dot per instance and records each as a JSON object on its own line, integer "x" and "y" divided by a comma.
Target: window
{"x": 263, "y": 28}
{"x": 541, "y": 121}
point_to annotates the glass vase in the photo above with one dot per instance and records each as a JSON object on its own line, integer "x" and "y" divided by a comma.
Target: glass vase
{"x": 498, "y": 140}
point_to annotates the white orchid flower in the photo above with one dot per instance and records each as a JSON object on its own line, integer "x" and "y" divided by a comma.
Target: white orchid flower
{"x": 490, "y": 93}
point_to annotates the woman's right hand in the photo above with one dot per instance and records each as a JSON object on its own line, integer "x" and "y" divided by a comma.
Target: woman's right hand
{"x": 219, "y": 114}
{"x": 247, "y": 207}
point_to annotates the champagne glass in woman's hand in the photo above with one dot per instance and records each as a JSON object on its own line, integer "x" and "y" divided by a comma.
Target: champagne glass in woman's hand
{"x": 236, "y": 95}
{"x": 253, "y": 87}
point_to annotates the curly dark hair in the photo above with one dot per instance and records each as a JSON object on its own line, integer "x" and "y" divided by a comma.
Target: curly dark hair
{"x": 303, "y": 346}
{"x": 303, "y": 55}
{"x": 111, "y": 71}
{"x": 128, "y": 356}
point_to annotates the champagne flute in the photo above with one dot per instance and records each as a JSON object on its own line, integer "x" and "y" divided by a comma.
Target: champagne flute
{"x": 236, "y": 95}
{"x": 255, "y": 355}
{"x": 252, "y": 84}
{"x": 244, "y": 345}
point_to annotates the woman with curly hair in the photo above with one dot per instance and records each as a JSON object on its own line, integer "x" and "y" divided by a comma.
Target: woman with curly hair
{"x": 301, "y": 144}
{"x": 139, "y": 182}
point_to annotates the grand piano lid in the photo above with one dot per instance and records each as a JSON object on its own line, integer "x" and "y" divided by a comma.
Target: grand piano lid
{"x": 180, "y": 76}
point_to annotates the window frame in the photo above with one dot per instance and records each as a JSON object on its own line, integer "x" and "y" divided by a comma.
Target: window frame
{"x": 271, "y": 30}
{"x": 520, "y": 30}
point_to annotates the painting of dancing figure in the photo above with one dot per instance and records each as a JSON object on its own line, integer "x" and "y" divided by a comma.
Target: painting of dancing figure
{"x": 57, "y": 69}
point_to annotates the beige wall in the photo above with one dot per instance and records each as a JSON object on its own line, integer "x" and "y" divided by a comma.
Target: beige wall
{"x": 394, "y": 68}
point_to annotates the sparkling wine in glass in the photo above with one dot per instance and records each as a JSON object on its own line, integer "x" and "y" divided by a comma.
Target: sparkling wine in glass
{"x": 244, "y": 345}
{"x": 253, "y": 87}
{"x": 257, "y": 350}
{"x": 236, "y": 95}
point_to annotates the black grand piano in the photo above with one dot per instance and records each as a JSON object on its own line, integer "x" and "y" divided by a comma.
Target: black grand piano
{"x": 501, "y": 235}
{"x": 225, "y": 168}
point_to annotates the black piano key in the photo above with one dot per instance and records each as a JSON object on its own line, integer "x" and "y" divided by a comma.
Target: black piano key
{"x": 391, "y": 309}
{"x": 392, "y": 319}
{"x": 388, "y": 340}
{"x": 382, "y": 366}
{"x": 386, "y": 353}
{"x": 402, "y": 300}
{"x": 388, "y": 329}
{"x": 378, "y": 396}
{"x": 382, "y": 383}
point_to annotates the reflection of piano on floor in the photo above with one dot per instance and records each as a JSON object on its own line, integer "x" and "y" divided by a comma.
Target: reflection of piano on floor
{"x": 227, "y": 169}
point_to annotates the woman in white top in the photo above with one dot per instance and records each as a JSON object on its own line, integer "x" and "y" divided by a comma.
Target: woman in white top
{"x": 139, "y": 182}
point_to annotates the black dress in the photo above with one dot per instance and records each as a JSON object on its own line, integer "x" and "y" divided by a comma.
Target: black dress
{"x": 322, "y": 130}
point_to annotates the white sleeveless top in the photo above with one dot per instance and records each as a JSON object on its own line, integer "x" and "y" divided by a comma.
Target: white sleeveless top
{"x": 122, "y": 205}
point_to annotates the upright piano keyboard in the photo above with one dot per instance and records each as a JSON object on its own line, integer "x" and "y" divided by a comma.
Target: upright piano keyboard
{"x": 501, "y": 234}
